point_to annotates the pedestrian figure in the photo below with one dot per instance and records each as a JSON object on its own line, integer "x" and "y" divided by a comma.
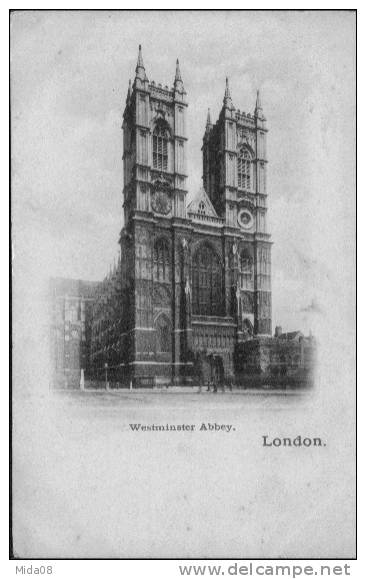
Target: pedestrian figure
{"x": 231, "y": 383}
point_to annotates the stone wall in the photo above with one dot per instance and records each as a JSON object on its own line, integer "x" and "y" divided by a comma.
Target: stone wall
{"x": 276, "y": 360}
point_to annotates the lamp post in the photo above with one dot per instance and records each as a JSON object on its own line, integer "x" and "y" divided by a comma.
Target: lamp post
{"x": 106, "y": 375}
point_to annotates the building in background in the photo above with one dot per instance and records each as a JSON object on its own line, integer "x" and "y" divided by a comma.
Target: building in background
{"x": 71, "y": 323}
{"x": 190, "y": 297}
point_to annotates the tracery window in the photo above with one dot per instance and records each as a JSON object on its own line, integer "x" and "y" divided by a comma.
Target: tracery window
{"x": 161, "y": 260}
{"x": 246, "y": 270}
{"x": 201, "y": 208}
{"x": 207, "y": 282}
{"x": 244, "y": 170}
{"x": 160, "y": 148}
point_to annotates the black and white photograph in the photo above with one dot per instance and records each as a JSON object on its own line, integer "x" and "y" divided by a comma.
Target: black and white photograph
{"x": 183, "y": 199}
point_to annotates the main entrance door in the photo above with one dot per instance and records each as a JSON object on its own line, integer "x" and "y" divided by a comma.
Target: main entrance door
{"x": 210, "y": 369}
{"x": 217, "y": 370}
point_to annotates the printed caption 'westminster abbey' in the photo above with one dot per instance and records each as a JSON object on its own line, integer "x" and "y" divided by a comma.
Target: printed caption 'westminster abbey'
{"x": 189, "y": 301}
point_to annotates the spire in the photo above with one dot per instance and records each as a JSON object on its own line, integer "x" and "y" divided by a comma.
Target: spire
{"x": 140, "y": 69}
{"x": 208, "y": 122}
{"x": 140, "y": 62}
{"x": 258, "y": 112}
{"x": 178, "y": 83}
{"x": 177, "y": 72}
{"x": 228, "y": 103}
{"x": 227, "y": 90}
{"x": 129, "y": 92}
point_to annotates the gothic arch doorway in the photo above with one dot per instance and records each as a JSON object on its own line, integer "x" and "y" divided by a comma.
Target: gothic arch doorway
{"x": 217, "y": 370}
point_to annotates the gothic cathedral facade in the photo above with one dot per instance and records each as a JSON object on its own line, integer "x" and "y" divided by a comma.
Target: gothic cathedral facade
{"x": 195, "y": 279}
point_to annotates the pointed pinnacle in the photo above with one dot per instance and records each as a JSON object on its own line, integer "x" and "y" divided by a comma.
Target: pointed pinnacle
{"x": 140, "y": 62}
{"x": 140, "y": 69}
{"x": 178, "y": 83}
{"x": 227, "y": 90}
{"x": 129, "y": 93}
{"x": 258, "y": 104}
{"x": 208, "y": 122}
{"x": 227, "y": 98}
{"x": 178, "y": 76}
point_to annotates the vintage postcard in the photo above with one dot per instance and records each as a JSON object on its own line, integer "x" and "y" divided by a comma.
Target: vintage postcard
{"x": 183, "y": 213}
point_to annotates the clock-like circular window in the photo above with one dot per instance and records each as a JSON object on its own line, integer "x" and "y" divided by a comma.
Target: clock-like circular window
{"x": 161, "y": 202}
{"x": 245, "y": 219}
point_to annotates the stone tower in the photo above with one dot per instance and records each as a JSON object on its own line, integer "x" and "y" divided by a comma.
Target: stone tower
{"x": 154, "y": 146}
{"x": 154, "y": 162}
{"x": 234, "y": 177}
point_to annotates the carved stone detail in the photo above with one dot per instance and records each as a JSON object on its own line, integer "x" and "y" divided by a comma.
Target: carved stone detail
{"x": 161, "y": 296}
{"x": 247, "y": 302}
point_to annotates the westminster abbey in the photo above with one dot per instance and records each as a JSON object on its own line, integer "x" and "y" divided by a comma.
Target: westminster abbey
{"x": 190, "y": 297}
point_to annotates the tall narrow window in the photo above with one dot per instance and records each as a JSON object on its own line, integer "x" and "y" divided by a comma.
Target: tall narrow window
{"x": 244, "y": 170}
{"x": 207, "y": 282}
{"x": 246, "y": 271}
{"x": 160, "y": 148}
{"x": 161, "y": 260}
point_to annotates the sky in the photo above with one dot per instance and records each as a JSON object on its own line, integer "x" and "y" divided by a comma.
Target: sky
{"x": 69, "y": 79}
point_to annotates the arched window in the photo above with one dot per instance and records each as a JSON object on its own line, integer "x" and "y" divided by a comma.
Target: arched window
{"x": 207, "y": 282}
{"x": 160, "y": 148}
{"x": 244, "y": 170}
{"x": 163, "y": 334}
{"x": 161, "y": 260}
{"x": 246, "y": 270}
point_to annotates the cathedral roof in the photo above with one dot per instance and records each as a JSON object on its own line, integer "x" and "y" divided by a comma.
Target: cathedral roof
{"x": 201, "y": 203}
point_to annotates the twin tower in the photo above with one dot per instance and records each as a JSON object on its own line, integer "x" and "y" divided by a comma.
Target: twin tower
{"x": 196, "y": 278}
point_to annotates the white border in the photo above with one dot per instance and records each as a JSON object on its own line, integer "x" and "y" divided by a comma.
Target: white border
{"x": 167, "y": 569}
